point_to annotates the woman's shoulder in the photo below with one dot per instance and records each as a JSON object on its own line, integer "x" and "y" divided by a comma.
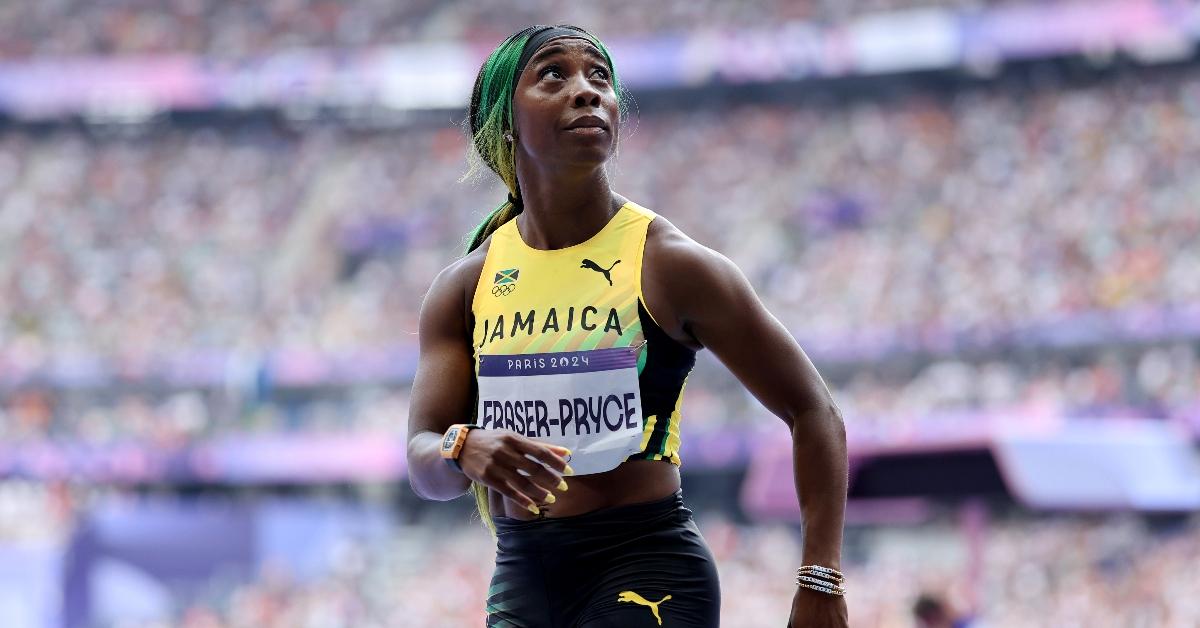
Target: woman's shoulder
{"x": 462, "y": 275}
{"x": 681, "y": 276}
{"x": 667, "y": 245}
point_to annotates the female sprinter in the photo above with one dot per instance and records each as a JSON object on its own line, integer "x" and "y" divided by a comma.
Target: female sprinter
{"x": 559, "y": 345}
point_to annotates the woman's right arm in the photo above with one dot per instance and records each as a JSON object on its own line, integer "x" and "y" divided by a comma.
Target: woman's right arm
{"x": 442, "y": 391}
{"x": 443, "y": 394}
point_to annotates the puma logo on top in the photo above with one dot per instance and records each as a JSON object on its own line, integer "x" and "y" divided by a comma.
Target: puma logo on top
{"x": 587, "y": 263}
{"x": 630, "y": 596}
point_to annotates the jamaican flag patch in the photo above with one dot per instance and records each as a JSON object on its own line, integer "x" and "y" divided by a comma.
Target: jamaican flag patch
{"x": 505, "y": 282}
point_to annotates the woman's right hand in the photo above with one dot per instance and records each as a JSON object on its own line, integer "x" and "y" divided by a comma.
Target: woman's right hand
{"x": 522, "y": 469}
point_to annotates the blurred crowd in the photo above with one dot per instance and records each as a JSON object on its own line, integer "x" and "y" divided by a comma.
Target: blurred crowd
{"x": 1069, "y": 572}
{"x": 175, "y": 418}
{"x": 1009, "y": 569}
{"x": 232, "y": 29}
{"x": 911, "y": 223}
{"x": 864, "y": 224}
{"x": 939, "y": 398}
{"x": 948, "y": 259}
{"x": 190, "y": 241}
{"x": 1158, "y": 383}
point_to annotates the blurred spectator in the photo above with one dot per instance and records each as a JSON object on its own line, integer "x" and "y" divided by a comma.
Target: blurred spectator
{"x": 931, "y": 612}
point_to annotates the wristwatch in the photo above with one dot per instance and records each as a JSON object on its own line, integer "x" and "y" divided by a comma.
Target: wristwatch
{"x": 452, "y": 443}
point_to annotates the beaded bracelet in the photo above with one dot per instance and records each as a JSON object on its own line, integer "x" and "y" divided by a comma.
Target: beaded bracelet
{"x": 825, "y": 570}
{"x": 826, "y": 574}
{"x": 821, "y": 579}
{"x": 825, "y": 590}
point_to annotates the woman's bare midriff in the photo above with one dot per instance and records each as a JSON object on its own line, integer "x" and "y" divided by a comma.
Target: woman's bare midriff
{"x": 635, "y": 481}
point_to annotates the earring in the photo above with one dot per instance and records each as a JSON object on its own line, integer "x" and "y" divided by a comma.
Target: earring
{"x": 508, "y": 137}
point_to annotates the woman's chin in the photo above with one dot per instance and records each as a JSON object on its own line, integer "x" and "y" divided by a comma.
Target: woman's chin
{"x": 589, "y": 154}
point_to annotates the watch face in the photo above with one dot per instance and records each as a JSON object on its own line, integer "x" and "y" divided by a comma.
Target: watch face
{"x": 451, "y": 436}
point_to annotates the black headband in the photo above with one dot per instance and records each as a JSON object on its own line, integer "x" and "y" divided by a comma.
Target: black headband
{"x": 539, "y": 39}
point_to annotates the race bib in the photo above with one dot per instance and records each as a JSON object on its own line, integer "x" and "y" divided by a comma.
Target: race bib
{"x": 586, "y": 401}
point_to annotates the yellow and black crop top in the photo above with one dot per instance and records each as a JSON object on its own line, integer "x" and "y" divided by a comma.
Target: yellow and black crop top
{"x": 566, "y": 351}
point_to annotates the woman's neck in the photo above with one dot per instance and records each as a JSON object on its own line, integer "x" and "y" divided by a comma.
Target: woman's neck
{"x": 564, "y": 210}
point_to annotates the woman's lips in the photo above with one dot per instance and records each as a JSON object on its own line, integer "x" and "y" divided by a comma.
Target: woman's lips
{"x": 588, "y": 130}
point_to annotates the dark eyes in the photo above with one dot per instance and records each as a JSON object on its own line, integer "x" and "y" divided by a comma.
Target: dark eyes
{"x": 556, "y": 71}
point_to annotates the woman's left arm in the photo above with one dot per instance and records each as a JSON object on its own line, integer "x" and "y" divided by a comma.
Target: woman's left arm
{"x": 706, "y": 298}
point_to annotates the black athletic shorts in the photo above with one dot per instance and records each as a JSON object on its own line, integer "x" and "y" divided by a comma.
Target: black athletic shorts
{"x": 623, "y": 567}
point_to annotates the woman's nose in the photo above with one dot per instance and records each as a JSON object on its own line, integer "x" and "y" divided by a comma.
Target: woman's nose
{"x": 586, "y": 94}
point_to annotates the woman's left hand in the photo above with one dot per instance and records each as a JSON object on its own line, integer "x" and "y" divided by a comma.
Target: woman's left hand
{"x": 813, "y": 609}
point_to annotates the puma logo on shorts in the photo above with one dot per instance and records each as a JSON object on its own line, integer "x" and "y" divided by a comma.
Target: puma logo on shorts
{"x": 630, "y": 596}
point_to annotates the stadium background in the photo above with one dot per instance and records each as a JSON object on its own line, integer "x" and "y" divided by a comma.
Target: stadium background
{"x": 218, "y": 219}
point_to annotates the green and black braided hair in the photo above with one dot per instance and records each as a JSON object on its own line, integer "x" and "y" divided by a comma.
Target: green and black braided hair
{"x": 489, "y": 118}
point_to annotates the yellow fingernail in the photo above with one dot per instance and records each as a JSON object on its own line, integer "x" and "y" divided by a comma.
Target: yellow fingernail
{"x": 568, "y": 471}
{"x": 550, "y": 498}
{"x": 562, "y": 485}
{"x": 534, "y": 509}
